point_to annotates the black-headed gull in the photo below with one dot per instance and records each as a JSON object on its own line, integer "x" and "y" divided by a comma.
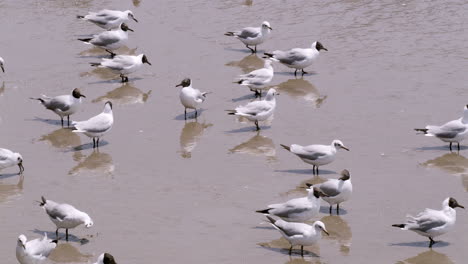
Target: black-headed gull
{"x": 452, "y": 131}
{"x": 317, "y": 155}
{"x": 9, "y": 158}
{"x": 106, "y": 258}
{"x": 123, "y": 64}
{"x": 257, "y": 110}
{"x": 33, "y": 251}
{"x": 432, "y": 223}
{"x": 63, "y": 105}
{"x": 299, "y": 233}
{"x": 96, "y": 126}
{"x": 252, "y": 36}
{"x": 110, "y": 40}
{"x": 108, "y": 19}
{"x": 65, "y": 216}
{"x": 190, "y": 97}
{"x": 298, "y": 58}
{"x": 258, "y": 79}
{"x": 336, "y": 190}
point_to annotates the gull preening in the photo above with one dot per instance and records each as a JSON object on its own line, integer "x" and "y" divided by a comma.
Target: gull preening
{"x": 63, "y": 105}
{"x": 9, "y": 158}
{"x": 336, "y": 190}
{"x": 35, "y": 250}
{"x": 106, "y": 258}
{"x": 190, "y": 97}
{"x": 317, "y": 155}
{"x": 96, "y": 126}
{"x": 252, "y": 36}
{"x": 65, "y": 216}
{"x": 257, "y": 110}
{"x": 452, "y": 131}
{"x": 299, "y": 233}
{"x": 298, "y": 209}
{"x": 258, "y": 79}
{"x": 110, "y": 40}
{"x": 108, "y": 19}
{"x": 123, "y": 64}
{"x": 298, "y": 58}
{"x": 432, "y": 223}
{"x": 2, "y": 62}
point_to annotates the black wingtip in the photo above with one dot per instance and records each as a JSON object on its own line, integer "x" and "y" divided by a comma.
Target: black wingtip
{"x": 399, "y": 225}
{"x": 95, "y": 64}
{"x": 85, "y": 39}
{"x": 78, "y": 16}
{"x": 272, "y": 220}
{"x": 268, "y": 54}
{"x": 55, "y": 241}
{"x": 286, "y": 147}
{"x": 230, "y": 34}
{"x": 424, "y": 130}
{"x": 44, "y": 201}
{"x": 265, "y": 211}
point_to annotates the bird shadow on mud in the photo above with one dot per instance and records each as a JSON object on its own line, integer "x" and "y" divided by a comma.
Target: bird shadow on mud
{"x": 443, "y": 148}
{"x": 246, "y": 51}
{"x": 298, "y": 75}
{"x": 247, "y": 129}
{"x": 285, "y": 251}
{"x": 61, "y": 236}
{"x": 8, "y": 175}
{"x": 117, "y": 80}
{"x": 422, "y": 244}
{"x": 326, "y": 210}
{"x": 55, "y": 122}
{"x": 190, "y": 115}
{"x": 307, "y": 172}
{"x": 249, "y": 96}
{"x": 88, "y": 146}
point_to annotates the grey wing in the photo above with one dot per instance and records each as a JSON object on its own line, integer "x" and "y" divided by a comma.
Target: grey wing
{"x": 56, "y": 104}
{"x": 249, "y": 33}
{"x": 450, "y": 130}
{"x": 288, "y": 228}
{"x": 287, "y": 211}
{"x": 105, "y": 39}
{"x": 329, "y": 188}
{"x": 312, "y": 156}
{"x": 426, "y": 224}
{"x": 4, "y": 154}
{"x": 255, "y": 108}
{"x": 118, "y": 63}
{"x": 290, "y": 57}
{"x": 56, "y": 213}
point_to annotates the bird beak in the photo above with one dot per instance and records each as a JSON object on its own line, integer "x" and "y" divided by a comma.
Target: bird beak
{"x": 270, "y": 28}
{"x": 81, "y": 95}
{"x": 325, "y": 49}
{"x": 24, "y": 247}
{"x": 148, "y": 62}
{"x": 461, "y": 206}
{"x": 180, "y": 84}
{"x": 343, "y": 147}
{"x": 309, "y": 185}
{"x": 135, "y": 20}
{"x": 3, "y": 69}
{"x": 130, "y": 29}
{"x": 326, "y": 232}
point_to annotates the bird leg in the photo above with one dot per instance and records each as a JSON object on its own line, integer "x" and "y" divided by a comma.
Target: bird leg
{"x": 290, "y": 250}
{"x": 253, "y": 51}
{"x": 432, "y": 242}
{"x": 255, "y": 48}
{"x": 337, "y": 209}
{"x": 61, "y": 118}
{"x": 68, "y": 119}
{"x": 313, "y": 170}
{"x": 256, "y": 124}
{"x": 258, "y": 94}
{"x": 196, "y": 113}
{"x": 330, "y": 209}
{"x": 112, "y": 54}
{"x": 66, "y": 234}
{"x": 450, "y": 146}
{"x": 124, "y": 78}
{"x": 458, "y": 146}
{"x": 97, "y": 143}
{"x": 304, "y": 72}
{"x": 302, "y": 251}
{"x": 295, "y": 72}
{"x": 185, "y": 114}
{"x": 56, "y": 233}
{"x": 94, "y": 142}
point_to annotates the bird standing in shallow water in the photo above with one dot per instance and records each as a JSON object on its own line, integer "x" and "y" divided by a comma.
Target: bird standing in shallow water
{"x": 252, "y": 36}
{"x": 96, "y": 126}
{"x": 190, "y": 97}
{"x": 9, "y": 158}
{"x": 108, "y": 19}
{"x": 258, "y": 79}
{"x": 110, "y": 40}
{"x": 123, "y": 64}
{"x": 34, "y": 251}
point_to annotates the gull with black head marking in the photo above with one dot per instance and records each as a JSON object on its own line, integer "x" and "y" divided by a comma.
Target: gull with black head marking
{"x": 252, "y": 36}
{"x": 454, "y": 131}
{"x": 298, "y": 58}
{"x": 258, "y": 79}
{"x": 106, "y": 258}
{"x": 9, "y": 158}
{"x": 190, "y": 97}
{"x": 65, "y": 215}
{"x": 34, "y": 251}
{"x": 96, "y": 126}
{"x": 317, "y": 155}
{"x": 433, "y": 223}
{"x": 110, "y": 40}
{"x": 62, "y": 105}
{"x": 123, "y": 64}
{"x": 108, "y": 19}
{"x": 336, "y": 190}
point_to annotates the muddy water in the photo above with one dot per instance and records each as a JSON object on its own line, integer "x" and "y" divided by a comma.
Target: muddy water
{"x": 161, "y": 189}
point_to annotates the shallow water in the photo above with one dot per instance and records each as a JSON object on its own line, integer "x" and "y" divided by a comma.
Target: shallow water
{"x": 161, "y": 189}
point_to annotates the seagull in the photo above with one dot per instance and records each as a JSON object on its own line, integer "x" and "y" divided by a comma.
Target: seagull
{"x": 257, "y": 80}
{"x": 298, "y": 58}
{"x": 2, "y": 61}
{"x": 8, "y": 158}
{"x": 65, "y": 215}
{"x": 108, "y": 19}
{"x": 317, "y": 155}
{"x": 123, "y": 64}
{"x": 190, "y": 97}
{"x": 34, "y": 250}
{"x": 257, "y": 110}
{"x": 299, "y": 209}
{"x": 299, "y": 233}
{"x": 63, "y": 105}
{"x": 110, "y": 40}
{"x": 432, "y": 223}
{"x": 336, "y": 190}
{"x": 106, "y": 258}
{"x": 96, "y": 126}
{"x": 453, "y": 131}
{"x": 252, "y": 36}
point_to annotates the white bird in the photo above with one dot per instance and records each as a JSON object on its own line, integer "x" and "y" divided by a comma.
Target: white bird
{"x": 63, "y": 105}
{"x": 96, "y": 126}
{"x": 110, "y": 40}
{"x": 106, "y": 258}
{"x": 2, "y": 62}
{"x": 299, "y": 233}
{"x": 257, "y": 110}
{"x": 317, "y": 155}
{"x": 336, "y": 190}
{"x": 452, "y": 131}
{"x": 123, "y": 64}
{"x": 65, "y": 215}
{"x": 432, "y": 223}
{"x": 252, "y": 36}
{"x": 257, "y": 80}
{"x": 34, "y": 250}
{"x": 108, "y": 19}
{"x": 190, "y": 97}
{"x": 299, "y": 209}
{"x": 298, "y": 58}
{"x": 9, "y": 158}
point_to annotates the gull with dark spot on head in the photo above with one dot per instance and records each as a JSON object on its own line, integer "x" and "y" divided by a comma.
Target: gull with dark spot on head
{"x": 317, "y": 155}
{"x": 106, "y": 258}
{"x": 432, "y": 223}
{"x": 252, "y": 36}
{"x": 110, "y": 40}
{"x": 96, "y": 126}
{"x": 63, "y": 105}
{"x": 336, "y": 190}
{"x": 190, "y": 97}
{"x": 298, "y": 58}
{"x": 34, "y": 251}
{"x": 123, "y": 64}
{"x": 454, "y": 131}
{"x": 108, "y": 19}
{"x": 9, "y": 158}
{"x": 258, "y": 79}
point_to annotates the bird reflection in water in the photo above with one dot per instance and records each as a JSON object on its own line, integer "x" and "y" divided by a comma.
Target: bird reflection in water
{"x": 428, "y": 257}
{"x": 67, "y": 253}
{"x": 282, "y": 245}
{"x": 62, "y": 138}
{"x": 248, "y": 63}
{"x": 257, "y": 145}
{"x": 303, "y": 260}
{"x": 136, "y": 3}
{"x": 100, "y": 53}
{"x": 124, "y": 95}
{"x": 9, "y": 192}
{"x": 97, "y": 162}
{"x": 452, "y": 163}
{"x": 2, "y": 89}
{"x": 189, "y": 136}
{"x": 340, "y": 231}
{"x": 300, "y": 88}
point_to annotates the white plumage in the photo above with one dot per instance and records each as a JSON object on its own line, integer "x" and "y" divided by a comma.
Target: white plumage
{"x": 336, "y": 190}
{"x": 96, "y": 126}
{"x": 108, "y": 19}
{"x": 252, "y": 36}
{"x": 110, "y": 40}
{"x": 123, "y": 64}
{"x": 9, "y": 158}
{"x": 190, "y": 97}
{"x": 258, "y": 79}
{"x": 33, "y": 251}
{"x": 106, "y": 258}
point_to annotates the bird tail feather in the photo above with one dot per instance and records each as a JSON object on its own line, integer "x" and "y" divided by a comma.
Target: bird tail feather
{"x": 286, "y": 147}
{"x": 230, "y": 34}
{"x": 95, "y": 64}
{"x": 424, "y": 130}
{"x": 85, "y": 39}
